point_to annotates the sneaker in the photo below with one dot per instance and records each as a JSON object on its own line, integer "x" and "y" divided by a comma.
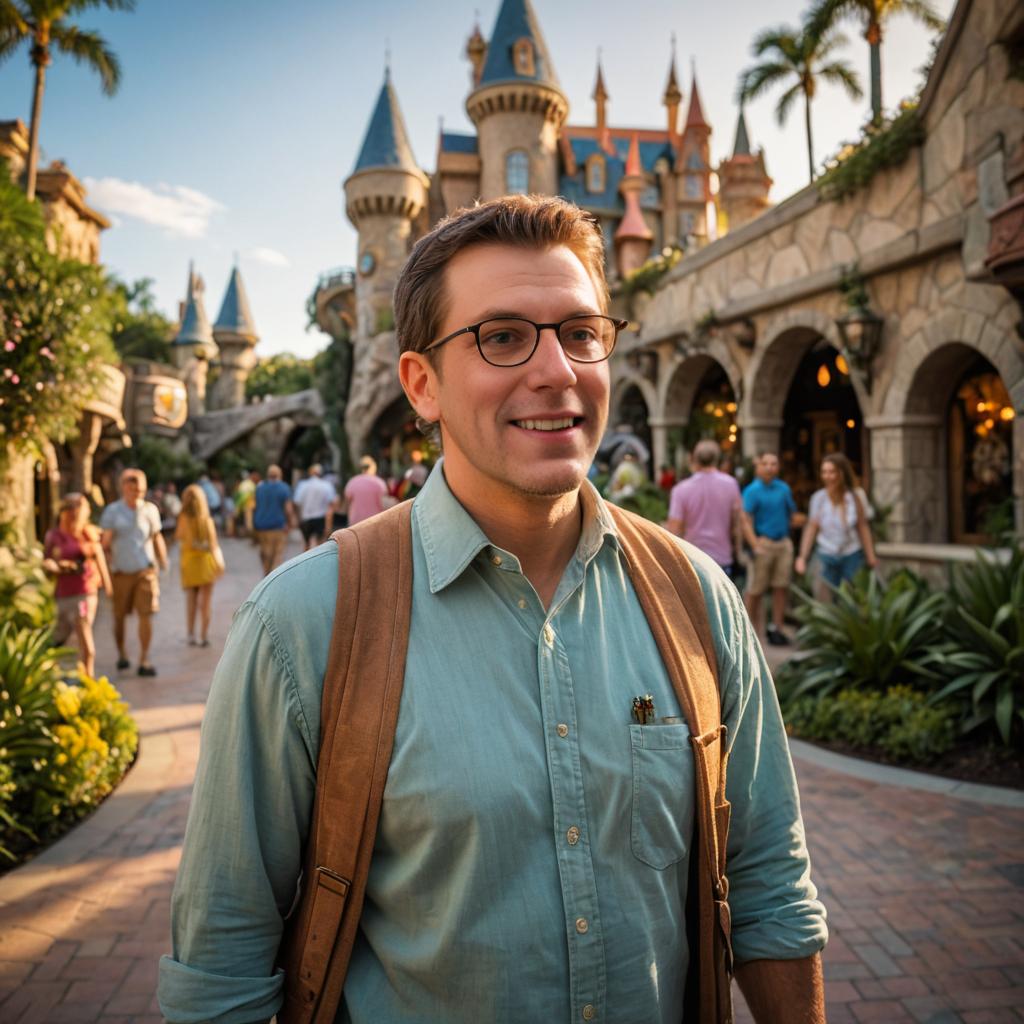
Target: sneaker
{"x": 204, "y": 642}
{"x": 147, "y": 670}
{"x": 192, "y": 642}
{"x": 123, "y": 663}
{"x": 776, "y": 637}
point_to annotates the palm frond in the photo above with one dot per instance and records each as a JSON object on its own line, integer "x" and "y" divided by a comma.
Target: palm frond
{"x": 90, "y": 48}
{"x": 840, "y": 73}
{"x": 783, "y": 39}
{"x": 78, "y": 6}
{"x": 922, "y": 11}
{"x": 786, "y": 101}
{"x": 758, "y": 79}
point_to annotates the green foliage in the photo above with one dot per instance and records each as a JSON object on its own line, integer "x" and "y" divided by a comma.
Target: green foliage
{"x": 54, "y": 339}
{"x": 140, "y": 330}
{"x": 385, "y": 321}
{"x": 872, "y": 636}
{"x": 332, "y": 375}
{"x": 899, "y": 722}
{"x": 647, "y": 277}
{"x": 984, "y": 661}
{"x": 26, "y": 592}
{"x": 17, "y": 215}
{"x": 281, "y": 374}
{"x": 884, "y": 145}
{"x": 162, "y": 462}
{"x": 648, "y": 501}
{"x": 231, "y": 463}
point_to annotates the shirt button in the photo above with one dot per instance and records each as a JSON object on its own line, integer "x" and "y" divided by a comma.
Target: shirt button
{"x": 562, "y": 729}
{"x": 549, "y": 636}
{"x": 521, "y": 602}
{"x": 581, "y": 925}
{"x": 496, "y": 559}
{"x": 573, "y": 835}
{"x": 589, "y": 1012}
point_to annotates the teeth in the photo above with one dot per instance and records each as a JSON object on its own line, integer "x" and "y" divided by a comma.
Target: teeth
{"x": 562, "y": 424}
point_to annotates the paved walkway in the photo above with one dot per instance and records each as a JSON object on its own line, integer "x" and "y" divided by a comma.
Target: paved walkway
{"x": 925, "y": 890}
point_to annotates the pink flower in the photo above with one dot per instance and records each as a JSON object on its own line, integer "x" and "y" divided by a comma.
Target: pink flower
{"x": 45, "y": 351}
{"x": 15, "y": 379}
{"x": 9, "y": 346}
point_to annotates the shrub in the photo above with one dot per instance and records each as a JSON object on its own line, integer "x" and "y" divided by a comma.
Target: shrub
{"x": 872, "y": 636}
{"x": 26, "y": 592}
{"x": 648, "y": 501}
{"x": 899, "y": 722}
{"x": 984, "y": 658}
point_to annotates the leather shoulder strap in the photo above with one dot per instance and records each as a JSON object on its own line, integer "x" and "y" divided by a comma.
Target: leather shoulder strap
{"x": 358, "y": 715}
{"x": 673, "y": 602}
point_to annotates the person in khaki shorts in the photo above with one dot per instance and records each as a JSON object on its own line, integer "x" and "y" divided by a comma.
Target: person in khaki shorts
{"x": 273, "y": 516}
{"x": 768, "y": 509}
{"x": 131, "y": 535}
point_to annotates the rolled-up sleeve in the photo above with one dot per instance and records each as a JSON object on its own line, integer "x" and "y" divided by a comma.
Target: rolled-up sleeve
{"x": 247, "y": 825}
{"x": 775, "y": 908}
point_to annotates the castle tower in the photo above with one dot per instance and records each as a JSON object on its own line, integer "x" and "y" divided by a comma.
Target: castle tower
{"x": 673, "y": 97}
{"x": 744, "y": 182}
{"x": 476, "y": 51}
{"x": 632, "y": 237}
{"x": 517, "y": 107}
{"x": 193, "y": 346}
{"x": 600, "y": 98}
{"x": 694, "y": 170}
{"x": 236, "y": 337}
{"x": 384, "y": 195}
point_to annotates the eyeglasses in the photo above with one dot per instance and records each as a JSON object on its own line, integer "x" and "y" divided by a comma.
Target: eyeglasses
{"x": 511, "y": 341}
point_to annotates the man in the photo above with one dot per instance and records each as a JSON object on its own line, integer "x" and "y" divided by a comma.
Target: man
{"x": 273, "y": 514}
{"x": 135, "y": 545}
{"x": 768, "y": 509}
{"x": 245, "y": 500}
{"x": 705, "y": 508}
{"x": 533, "y": 851}
{"x": 365, "y": 493}
{"x": 314, "y": 499}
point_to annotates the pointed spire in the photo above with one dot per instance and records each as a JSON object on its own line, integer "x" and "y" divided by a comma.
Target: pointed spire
{"x": 476, "y": 51}
{"x": 600, "y": 97}
{"x": 600, "y": 93}
{"x": 673, "y": 94}
{"x": 235, "y": 315}
{"x": 386, "y": 143}
{"x": 633, "y": 165}
{"x": 517, "y": 50}
{"x": 695, "y": 115}
{"x": 741, "y": 147}
{"x": 195, "y": 327}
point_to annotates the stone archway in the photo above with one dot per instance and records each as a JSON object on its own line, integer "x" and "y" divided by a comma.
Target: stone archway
{"x": 634, "y": 402}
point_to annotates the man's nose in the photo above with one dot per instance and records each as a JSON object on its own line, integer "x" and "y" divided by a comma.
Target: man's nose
{"x": 550, "y": 366}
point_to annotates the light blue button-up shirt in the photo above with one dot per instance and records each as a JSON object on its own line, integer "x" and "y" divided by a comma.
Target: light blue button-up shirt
{"x": 532, "y": 853}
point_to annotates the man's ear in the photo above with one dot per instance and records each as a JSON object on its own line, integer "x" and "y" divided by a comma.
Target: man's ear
{"x": 419, "y": 382}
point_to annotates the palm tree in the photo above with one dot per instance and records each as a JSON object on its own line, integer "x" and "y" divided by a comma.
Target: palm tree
{"x": 873, "y": 14}
{"x": 803, "y": 58}
{"x": 44, "y": 24}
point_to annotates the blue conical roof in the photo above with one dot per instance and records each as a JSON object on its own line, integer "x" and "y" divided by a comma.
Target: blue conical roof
{"x": 741, "y": 147}
{"x": 386, "y": 143}
{"x": 195, "y": 327}
{"x": 235, "y": 314}
{"x": 516, "y": 21}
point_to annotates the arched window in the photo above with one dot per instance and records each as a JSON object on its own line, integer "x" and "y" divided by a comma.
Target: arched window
{"x": 517, "y": 172}
{"x": 595, "y": 173}
{"x": 522, "y": 54}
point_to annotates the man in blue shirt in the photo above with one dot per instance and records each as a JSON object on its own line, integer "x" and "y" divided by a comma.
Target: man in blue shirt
{"x": 768, "y": 509}
{"x": 273, "y": 515}
{"x": 532, "y": 857}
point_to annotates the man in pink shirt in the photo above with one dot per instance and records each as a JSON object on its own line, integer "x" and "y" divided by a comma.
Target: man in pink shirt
{"x": 705, "y": 508}
{"x": 365, "y": 493}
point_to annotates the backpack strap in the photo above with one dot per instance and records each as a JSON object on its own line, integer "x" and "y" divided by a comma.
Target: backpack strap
{"x": 358, "y": 716}
{"x": 670, "y": 594}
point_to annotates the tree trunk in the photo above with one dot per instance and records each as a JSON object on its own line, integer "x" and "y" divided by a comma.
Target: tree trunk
{"x": 874, "y": 38}
{"x": 33, "y": 134}
{"x": 810, "y": 139}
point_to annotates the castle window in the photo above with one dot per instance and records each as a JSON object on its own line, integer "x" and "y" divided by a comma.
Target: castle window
{"x": 695, "y": 163}
{"x": 517, "y": 172}
{"x": 595, "y": 173}
{"x": 523, "y": 57}
{"x": 694, "y": 188}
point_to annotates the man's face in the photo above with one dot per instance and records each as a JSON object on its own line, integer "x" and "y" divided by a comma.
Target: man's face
{"x": 491, "y": 416}
{"x": 768, "y": 468}
{"x": 131, "y": 488}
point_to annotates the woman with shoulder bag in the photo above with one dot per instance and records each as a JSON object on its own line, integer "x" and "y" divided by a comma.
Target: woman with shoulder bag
{"x": 838, "y": 520}
{"x": 202, "y": 561}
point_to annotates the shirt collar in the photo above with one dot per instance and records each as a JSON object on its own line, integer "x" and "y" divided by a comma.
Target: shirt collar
{"x": 451, "y": 538}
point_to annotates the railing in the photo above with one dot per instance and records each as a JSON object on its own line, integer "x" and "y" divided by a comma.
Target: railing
{"x": 339, "y": 277}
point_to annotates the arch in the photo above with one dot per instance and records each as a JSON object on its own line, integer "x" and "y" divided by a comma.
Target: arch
{"x": 622, "y": 386}
{"x": 683, "y": 374}
{"x": 595, "y": 176}
{"x": 217, "y": 430}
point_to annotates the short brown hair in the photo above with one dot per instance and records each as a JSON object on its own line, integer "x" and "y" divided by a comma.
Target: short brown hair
{"x": 527, "y": 221}
{"x": 707, "y": 453}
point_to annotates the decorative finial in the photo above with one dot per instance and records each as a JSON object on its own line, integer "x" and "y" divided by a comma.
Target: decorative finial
{"x": 387, "y": 58}
{"x": 673, "y": 46}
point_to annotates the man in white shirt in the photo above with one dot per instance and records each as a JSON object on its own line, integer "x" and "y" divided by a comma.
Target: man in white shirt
{"x": 315, "y": 499}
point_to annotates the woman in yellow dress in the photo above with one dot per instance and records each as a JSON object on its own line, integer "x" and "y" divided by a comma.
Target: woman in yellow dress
{"x": 201, "y": 561}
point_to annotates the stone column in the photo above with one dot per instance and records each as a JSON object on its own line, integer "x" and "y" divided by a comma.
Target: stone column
{"x": 759, "y": 436}
{"x": 83, "y": 448}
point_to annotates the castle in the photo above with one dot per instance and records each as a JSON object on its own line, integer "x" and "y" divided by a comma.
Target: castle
{"x": 649, "y": 189}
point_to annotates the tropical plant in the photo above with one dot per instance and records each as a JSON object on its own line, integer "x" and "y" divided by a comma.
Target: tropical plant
{"x": 26, "y": 592}
{"x": 17, "y": 215}
{"x": 871, "y": 636}
{"x": 140, "y": 331}
{"x": 984, "y": 662}
{"x": 873, "y": 16}
{"x": 800, "y": 58}
{"x": 45, "y": 24}
{"x": 281, "y": 374}
{"x": 162, "y": 462}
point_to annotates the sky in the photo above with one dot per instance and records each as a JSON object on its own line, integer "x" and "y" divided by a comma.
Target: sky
{"x": 237, "y": 121}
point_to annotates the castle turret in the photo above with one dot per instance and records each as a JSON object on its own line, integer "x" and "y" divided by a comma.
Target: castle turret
{"x": 694, "y": 170}
{"x": 600, "y": 98}
{"x": 744, "y": 182}
{"x": 193, "y": 346}
{"x": 476, "y": 51}
{"x": 632, "y": 237}
{"x": 236, "y": 337}
{"x": 518, "y": 108}
{"x": 384, "y": 196}
{"x": 673, "y": 97}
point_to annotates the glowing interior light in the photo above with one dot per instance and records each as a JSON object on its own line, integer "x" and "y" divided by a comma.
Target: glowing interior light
{"x": 841, "y": 364}
{"x": 824, "y": 377}
{"x": 1006, "y": 413}
{"x": 850, "y": 424}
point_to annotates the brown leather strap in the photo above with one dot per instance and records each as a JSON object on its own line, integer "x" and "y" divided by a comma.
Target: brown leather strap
{"x": 358, "y": 715}
{"x": 670, "y": 594}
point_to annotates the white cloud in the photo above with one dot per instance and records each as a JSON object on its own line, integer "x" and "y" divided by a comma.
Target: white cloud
{"x": 264, "y": 254}
{"x": 182, "y": 211}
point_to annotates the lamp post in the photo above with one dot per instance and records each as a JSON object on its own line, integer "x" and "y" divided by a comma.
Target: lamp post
{"x": 860, "y": 329}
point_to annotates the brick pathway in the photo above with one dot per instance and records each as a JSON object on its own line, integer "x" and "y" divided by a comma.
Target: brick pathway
{"x": 925, "y": 891}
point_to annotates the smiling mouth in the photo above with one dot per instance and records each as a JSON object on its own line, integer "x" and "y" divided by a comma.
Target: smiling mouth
{"x": 564, "y": 423}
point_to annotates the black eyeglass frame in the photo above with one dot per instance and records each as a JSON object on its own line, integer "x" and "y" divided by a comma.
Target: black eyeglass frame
{"x": 474, "y": 329}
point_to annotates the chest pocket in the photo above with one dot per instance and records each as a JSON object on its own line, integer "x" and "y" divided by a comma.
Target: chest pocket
{"x": 663, "y": 796}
